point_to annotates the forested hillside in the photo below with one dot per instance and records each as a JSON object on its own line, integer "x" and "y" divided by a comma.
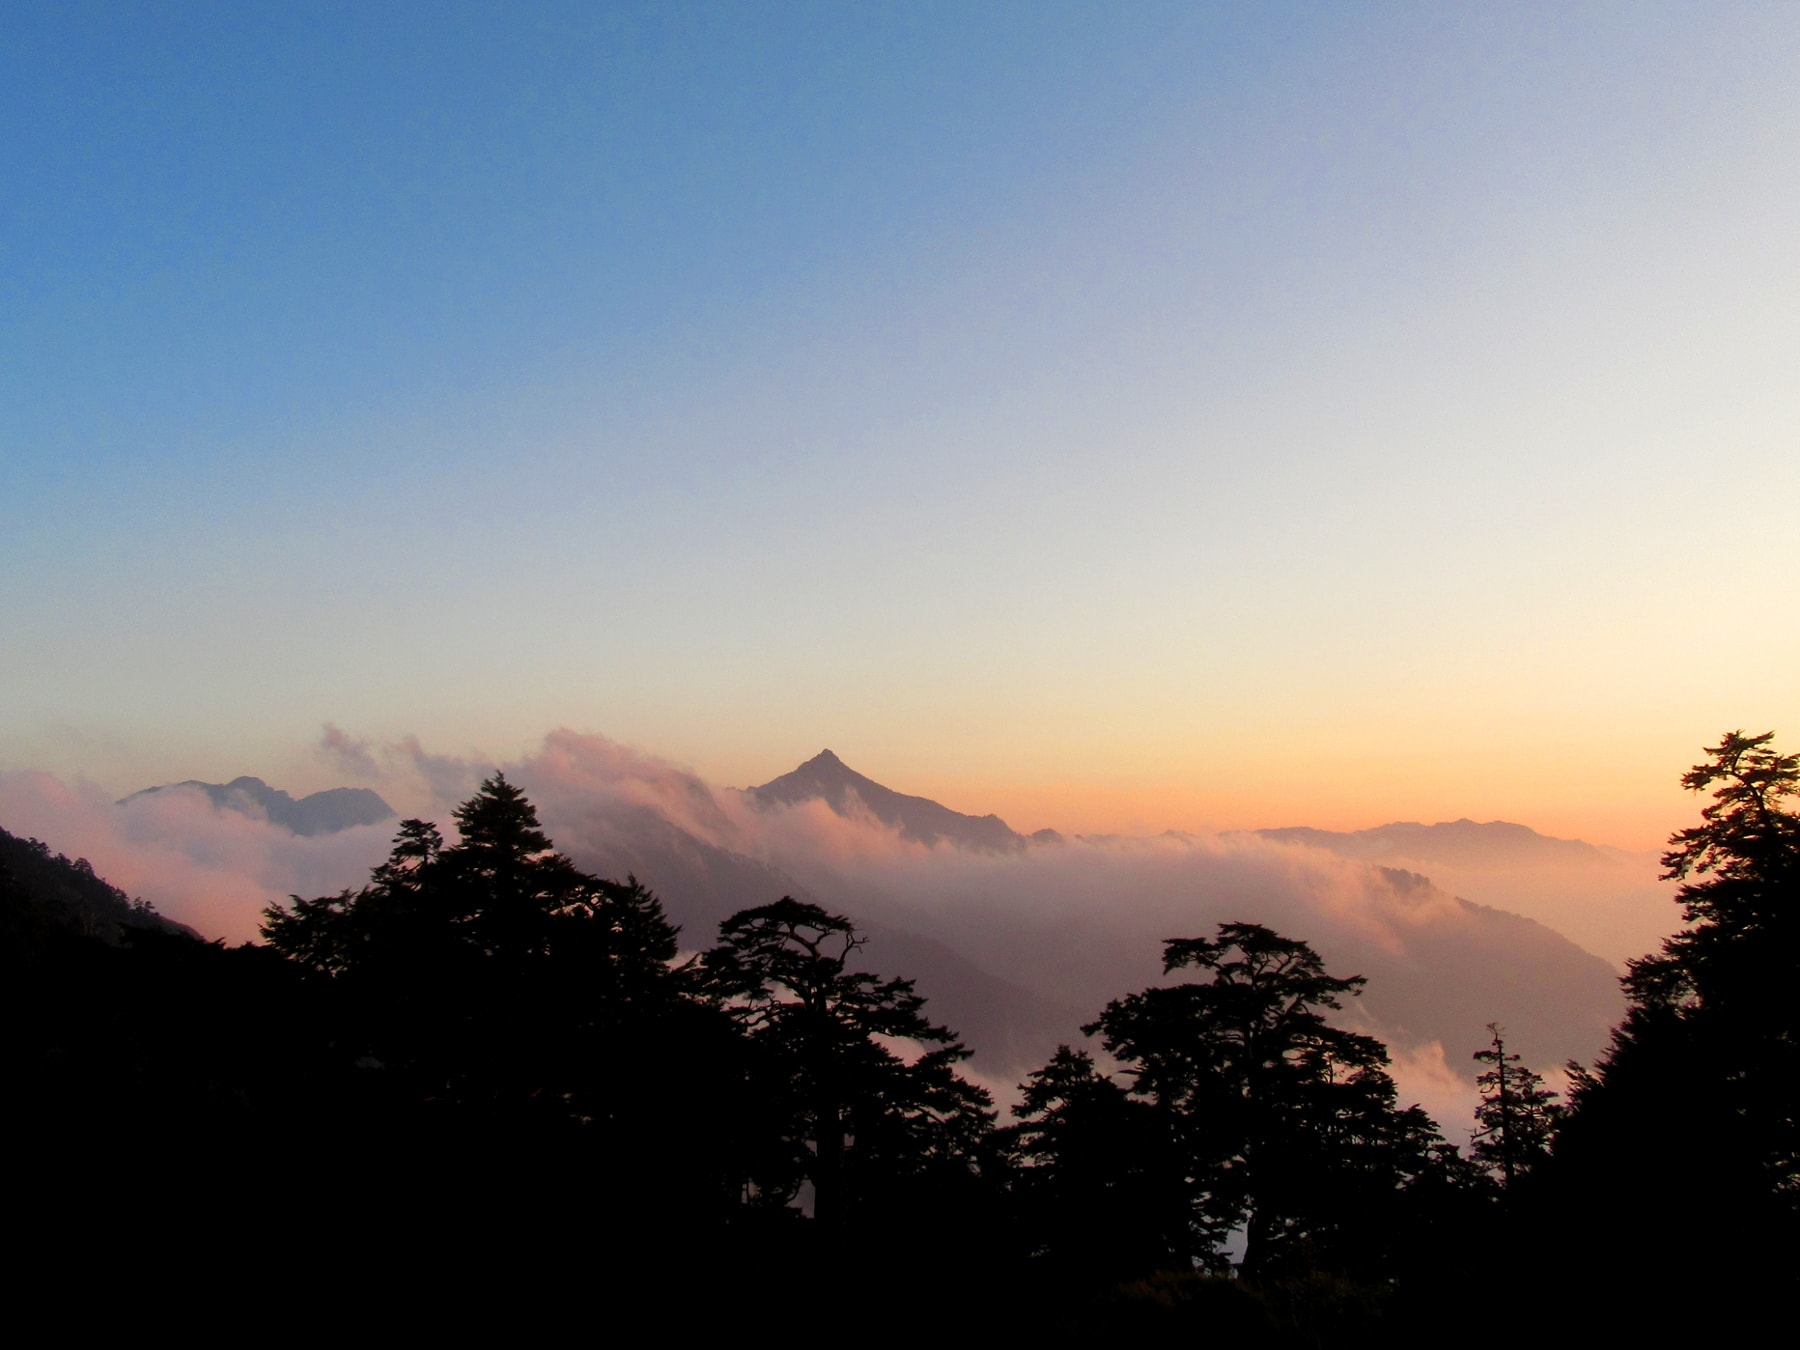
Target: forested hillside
{"x": 66, "y": 893}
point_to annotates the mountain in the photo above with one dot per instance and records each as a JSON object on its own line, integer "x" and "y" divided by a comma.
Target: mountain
{"x": 827, "y": 778}
{"x": 324, "y": 812}
{"x": 1462, "y": 843}
{"x": 69, "y": 895}
{"x": 1608, "y": 900}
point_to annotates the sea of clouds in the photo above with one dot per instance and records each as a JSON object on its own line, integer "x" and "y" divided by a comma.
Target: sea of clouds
{"x": 1074, "y": 923}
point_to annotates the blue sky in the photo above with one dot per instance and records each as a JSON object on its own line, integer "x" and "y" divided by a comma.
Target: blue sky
{"x": 1160, "y": 415}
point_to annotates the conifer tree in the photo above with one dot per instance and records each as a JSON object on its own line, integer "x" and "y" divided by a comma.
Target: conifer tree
{"x": 1720, "y": 993}
{"x": 1517, "y": 1115}
{"x": 1287, "y": 1126}
{"x": 1098, "y": 1186}
{"x": 835, "y": 1105}
{"x": 492, "y": 968}
{"x": 1680, "y": 1152}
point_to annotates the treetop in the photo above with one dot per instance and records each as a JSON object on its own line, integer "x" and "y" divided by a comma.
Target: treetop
{"x": 1745, "y": 824}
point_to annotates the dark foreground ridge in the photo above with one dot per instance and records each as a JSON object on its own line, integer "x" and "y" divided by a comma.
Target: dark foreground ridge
{"x": 51, "y": 892}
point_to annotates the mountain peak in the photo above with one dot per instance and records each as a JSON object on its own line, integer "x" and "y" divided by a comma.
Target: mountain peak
{"x": 827, "y": 778}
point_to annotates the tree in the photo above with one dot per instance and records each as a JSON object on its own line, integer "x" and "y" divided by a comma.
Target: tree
{"x": 1724, "y": 985}
{"x": 1740, "y": 868}
{"x": 493, "y": 971}
{"x": 1286, "y": 1125}
{"x": 1681, "y": 1144}
{"x": 1097, "y": 1184}
{"x": 529, "y": 1046}
{"x": 1517, "y": 1114}
{"x": 837, "y": 1106}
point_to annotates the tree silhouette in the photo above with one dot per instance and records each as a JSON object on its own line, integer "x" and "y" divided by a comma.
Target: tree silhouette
{"x": 1688, "y": 1124}
{"x": 494, "y": 979}
{"x": 1724, "y": 984}
{"x": 1287, "y": 1126}
{"x": 1517, "y": 1114}
{"x": 1098, "y": 1185}
{"x": 836, "y": 1106}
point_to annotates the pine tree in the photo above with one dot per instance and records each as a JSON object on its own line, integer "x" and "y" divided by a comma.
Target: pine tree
{"x": 835, "y": 1105}
{"x": 1680, "y": 1152}
{"x": 1517, "y": 1115}
{"x": 493, "y": 968}
{"x": 1287, "y": 1126}
{"x": 1098, "y": 1187}
{"x": 1723, "y": 986}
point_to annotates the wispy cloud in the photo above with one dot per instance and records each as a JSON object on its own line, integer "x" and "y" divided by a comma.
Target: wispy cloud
{"x": 347, "y": 754}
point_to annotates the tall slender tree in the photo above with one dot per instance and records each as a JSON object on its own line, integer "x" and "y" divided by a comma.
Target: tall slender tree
{"x": 1517, "y": 1114}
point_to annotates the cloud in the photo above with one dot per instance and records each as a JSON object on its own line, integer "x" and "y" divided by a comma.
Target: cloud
{"x": 447, "y": 779}
{"x": 1617, "y": 906}
{"x": 575, "y": 776}
{"x": 348, "y": 754}
{"x": 405, "y": 772}
{"x": 1425, "y": 1077}
{"x": 213, "y": 870}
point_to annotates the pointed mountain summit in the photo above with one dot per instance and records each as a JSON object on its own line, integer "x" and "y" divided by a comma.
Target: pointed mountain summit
{"x": 827, "y": 778}
{"x": 324, "y": 812}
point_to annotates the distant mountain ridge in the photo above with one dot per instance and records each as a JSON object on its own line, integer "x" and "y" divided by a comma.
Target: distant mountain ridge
{"x": 317, "y": 813}
{"x": 1464, "y": 843}
{"x": 827, "y": 778}
{"x": 1470, "y": 964}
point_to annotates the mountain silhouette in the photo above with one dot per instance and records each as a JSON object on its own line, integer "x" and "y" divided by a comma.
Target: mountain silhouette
{"x": 1466, "y": 843}
{"x": 827, "y": 778}
{"x": 1609, "y": 900}
{"x": 324, "y": 812}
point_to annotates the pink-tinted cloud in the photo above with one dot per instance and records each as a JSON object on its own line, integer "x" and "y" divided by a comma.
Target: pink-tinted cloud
{"x": 214, "y": 870}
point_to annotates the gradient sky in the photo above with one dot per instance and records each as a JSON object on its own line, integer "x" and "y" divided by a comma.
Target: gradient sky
{"x": 1114, "y": 416}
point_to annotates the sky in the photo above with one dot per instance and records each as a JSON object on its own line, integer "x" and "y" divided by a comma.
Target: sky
{"x": 1117, "y": 417}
